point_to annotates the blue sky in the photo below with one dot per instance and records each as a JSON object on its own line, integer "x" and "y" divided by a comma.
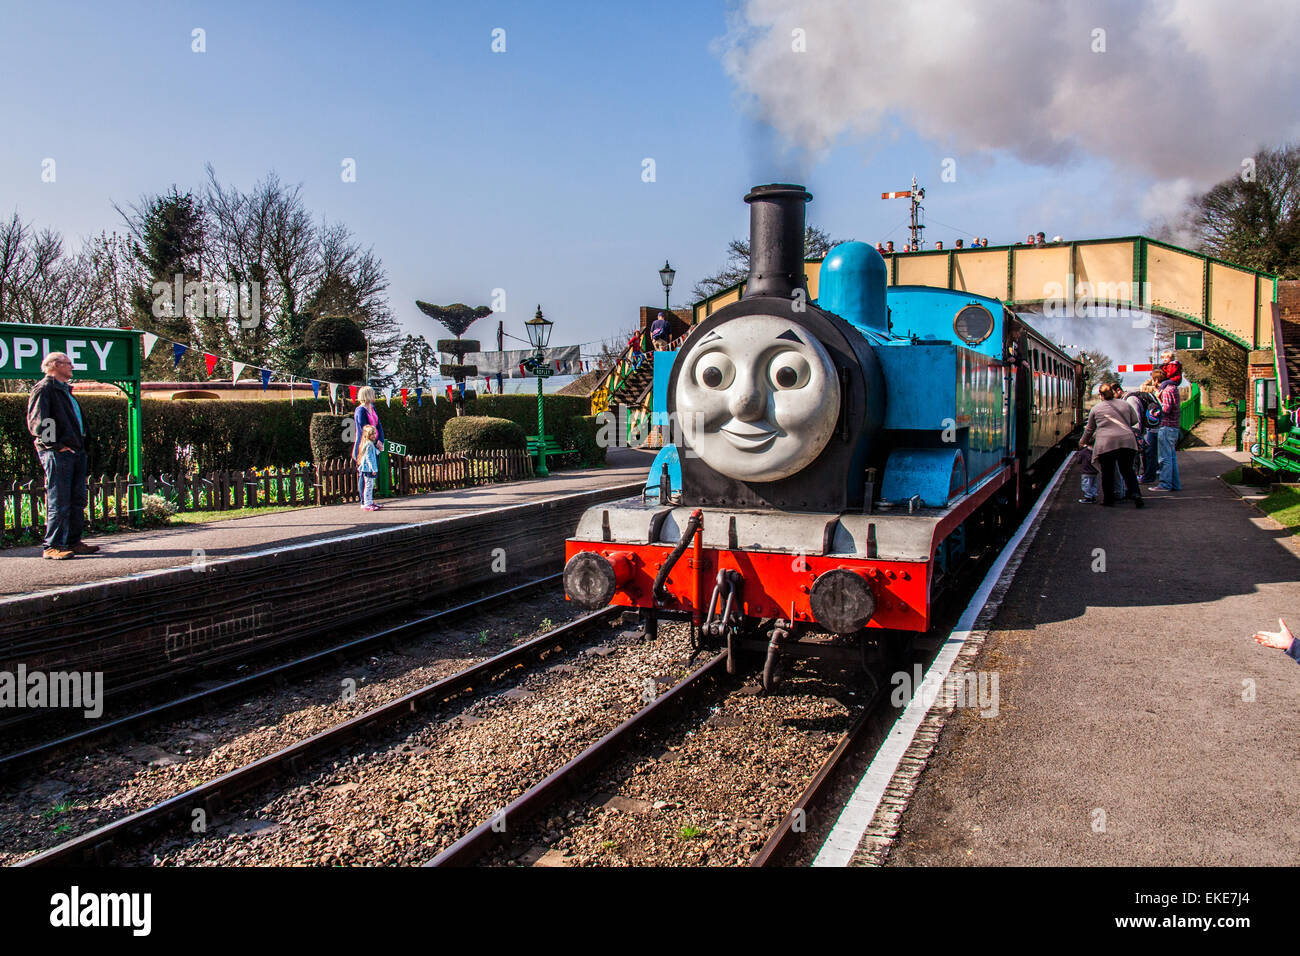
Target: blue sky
{"x": 475, "y": 170}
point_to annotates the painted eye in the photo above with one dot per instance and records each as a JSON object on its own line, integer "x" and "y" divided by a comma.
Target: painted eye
{"x": 789, "y": 370}
{"x": 715, "y": 371}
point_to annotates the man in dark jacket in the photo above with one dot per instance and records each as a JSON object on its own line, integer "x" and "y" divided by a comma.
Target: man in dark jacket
{"x": 55, "y": 422}
{"x": 659, "y": 331}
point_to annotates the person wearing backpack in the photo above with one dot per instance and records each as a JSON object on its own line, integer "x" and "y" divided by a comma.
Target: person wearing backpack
{"x": 1150, "y": 449}
{"x": 1140, "y": 403}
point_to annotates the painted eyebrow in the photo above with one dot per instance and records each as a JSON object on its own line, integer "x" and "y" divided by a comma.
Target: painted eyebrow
{"x": 711, "y": 337}
{"x": 790, "y": 336}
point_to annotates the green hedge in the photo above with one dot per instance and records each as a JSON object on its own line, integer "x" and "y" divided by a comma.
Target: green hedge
{"x": 579, "y": 432}
{"x": 223, "y": 434}
{"x": 522, "y": 409}
{"x": 481, "y": 433}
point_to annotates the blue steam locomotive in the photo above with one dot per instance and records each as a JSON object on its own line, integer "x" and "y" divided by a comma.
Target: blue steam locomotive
{"x": 834, "y": 460}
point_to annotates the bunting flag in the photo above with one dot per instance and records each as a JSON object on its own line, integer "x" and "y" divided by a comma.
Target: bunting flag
{"x": 352, "y": 392}
{"x": 266, "y": 380}
{"x": 388, "y": 396}
{"x": 404, "y": 391}
{"x": 500, "y": 389}
{"x": 450, "y": 397}
{"x": 177, "y": 351}
{"x": 210, "y": 361}
{"x": 334, "y": 392}
{"x": 315, "y": 388}
{"x": 419, "y": 400}
{"x": 150, "y": 340}
{"x": 461, "y": 386}
{"x": 239, "y": 370}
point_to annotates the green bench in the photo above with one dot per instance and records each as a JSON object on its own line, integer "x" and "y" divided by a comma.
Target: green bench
{"x": 549, "y": 445}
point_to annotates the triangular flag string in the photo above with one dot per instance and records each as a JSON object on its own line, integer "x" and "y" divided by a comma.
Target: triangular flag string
{"x": 238, "y": 370}
{"x": 150, "y": 340}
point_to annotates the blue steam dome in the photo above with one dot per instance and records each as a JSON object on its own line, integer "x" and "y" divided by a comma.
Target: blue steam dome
{"x": 852, "y": 285}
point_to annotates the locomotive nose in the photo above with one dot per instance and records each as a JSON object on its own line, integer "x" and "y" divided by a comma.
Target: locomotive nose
{"x": 591, "y": 579}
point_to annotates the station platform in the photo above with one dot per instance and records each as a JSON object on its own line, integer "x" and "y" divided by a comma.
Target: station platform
{"x": 154, "y": 605}
{"x": 1137, "y": 722}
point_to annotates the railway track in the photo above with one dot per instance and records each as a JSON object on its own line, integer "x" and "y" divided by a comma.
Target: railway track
{"x": 498, "y": 831}
{"x": 100, "y": 846}
{"x": 15, "y": 762}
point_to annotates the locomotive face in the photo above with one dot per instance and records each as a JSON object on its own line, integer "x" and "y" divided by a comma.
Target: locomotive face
{"x": 758, "y": 398}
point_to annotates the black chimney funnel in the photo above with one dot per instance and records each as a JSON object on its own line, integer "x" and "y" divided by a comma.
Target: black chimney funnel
{"x": 776, "y": 228}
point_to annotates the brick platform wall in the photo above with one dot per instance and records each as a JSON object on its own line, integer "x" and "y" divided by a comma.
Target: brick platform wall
{"x": 169, "y": 623}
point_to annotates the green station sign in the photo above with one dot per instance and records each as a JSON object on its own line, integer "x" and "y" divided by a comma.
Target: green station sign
{"x": 1189, "y": 341}
{"x": 101, "y": 355}
{"x": 98, "y": 355}
{"x": 395, "y": 449}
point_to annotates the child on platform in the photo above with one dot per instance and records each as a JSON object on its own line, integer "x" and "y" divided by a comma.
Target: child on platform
{"x": 1172, "y": 368}
{"x": 368, "y": 467}
{"x": 1089, "y": 476}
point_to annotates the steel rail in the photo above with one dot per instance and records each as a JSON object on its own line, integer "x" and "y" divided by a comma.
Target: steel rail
{"x": 784, "y": 838}
{"x": 11, "y": 762}
{"x": 98, "y": 846}
{"x": 500, "y": 829}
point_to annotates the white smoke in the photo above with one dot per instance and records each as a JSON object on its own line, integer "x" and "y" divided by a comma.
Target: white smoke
{"x": 1171, "y": 90}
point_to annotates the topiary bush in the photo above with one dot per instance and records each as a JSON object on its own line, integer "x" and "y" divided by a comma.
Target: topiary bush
{"x": 326, "y": 434}
{"x": 459, "y": 346}
{"x": 471, "y": 433}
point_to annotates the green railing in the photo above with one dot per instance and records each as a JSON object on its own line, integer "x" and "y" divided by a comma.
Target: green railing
{"x": 1189, "y": 412}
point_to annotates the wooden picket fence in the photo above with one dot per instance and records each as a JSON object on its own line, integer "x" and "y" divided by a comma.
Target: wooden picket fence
{"x": 233, "y": 490}
{"x": 22, "y": 505}
{"x": 414, "y": 474}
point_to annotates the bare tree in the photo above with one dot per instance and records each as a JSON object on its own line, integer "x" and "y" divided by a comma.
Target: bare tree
{"x": 352, "y": 283}
{"x": 816, "y": 243}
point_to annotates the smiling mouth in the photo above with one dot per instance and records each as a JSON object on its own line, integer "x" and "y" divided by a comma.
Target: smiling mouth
{"x": 748, "y": 436}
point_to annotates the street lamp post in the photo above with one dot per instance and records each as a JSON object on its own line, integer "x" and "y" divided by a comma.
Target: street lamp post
{"x": 539, "y": 333}
{"x": 666, "y": 276}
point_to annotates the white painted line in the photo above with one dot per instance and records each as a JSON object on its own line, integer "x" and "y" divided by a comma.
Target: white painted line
{"x": 846, "y": 835}
{"x": 315, "y": 543}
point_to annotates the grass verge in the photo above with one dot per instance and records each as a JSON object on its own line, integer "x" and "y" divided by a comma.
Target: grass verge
{"x": 203, "y": 517}
{"x": 1283, "y": 506}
